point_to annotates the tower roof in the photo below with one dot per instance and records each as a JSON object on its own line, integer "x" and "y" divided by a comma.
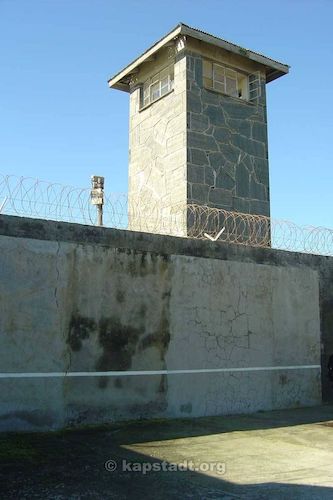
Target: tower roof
{"x": 272, "y": 68}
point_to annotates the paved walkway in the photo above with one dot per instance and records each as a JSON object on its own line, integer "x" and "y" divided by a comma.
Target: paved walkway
{"x": 281, "y": 454}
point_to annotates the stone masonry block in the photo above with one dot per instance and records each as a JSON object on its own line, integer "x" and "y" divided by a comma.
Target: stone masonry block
{"x": 199, "y": 157}
{"x": 196, "y": 174}
{"x": 198, "y": 71}
{"x": 199, "y": 122}
{"x": 242, "y": 127}
{"x": 209, "y": 97}
{"x": 220, "y": 198}
{"x": 240, "y": 205}
{"x": 223, "y": 180}
{"x": 259, "y": 207}
{"x": 242, "y": 181}
{"x": 259, "y": 132}
{"x": 193, "y": 103}
{"x": 210, "y": 176}
{"x": 257, "y": 191}
{"x": 221, "y": 134}
{"x": 194, "y": 88}
{"x": 190, "y": 63}
{"x": 249, "y": 146}
{"x": 230, "y": 153}
{"x": 202, "y": 141}
{"x": 260, "y": 168}
{"x": 215, "y": 115}
{"x": 240, "y": 110}
{"x": 216, "y": 160}
{"x": 200, "y": 193}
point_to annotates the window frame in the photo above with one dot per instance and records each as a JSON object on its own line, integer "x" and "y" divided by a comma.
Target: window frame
{"x": 163, "y": 81}
{"x": 216, "y": 76}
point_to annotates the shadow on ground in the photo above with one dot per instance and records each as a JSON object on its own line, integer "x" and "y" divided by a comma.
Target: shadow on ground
{"x": 70, "y": 464}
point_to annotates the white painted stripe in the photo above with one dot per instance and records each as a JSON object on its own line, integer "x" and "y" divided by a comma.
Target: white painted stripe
{"x": 155, "y": 372}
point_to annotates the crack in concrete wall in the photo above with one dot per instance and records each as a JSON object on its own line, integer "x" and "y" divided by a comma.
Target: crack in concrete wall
{"x": 69, "y": 306}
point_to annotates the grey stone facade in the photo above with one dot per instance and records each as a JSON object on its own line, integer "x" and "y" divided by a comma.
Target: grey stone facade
{"x": 157, "y": 159}
{"x": 227, "y": 153}
{"x": 196, "y": 146}
{"x": 191, "y": 145}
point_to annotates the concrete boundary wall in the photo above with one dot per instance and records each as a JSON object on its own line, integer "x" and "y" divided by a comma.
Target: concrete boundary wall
{"x": 136, "y": 325}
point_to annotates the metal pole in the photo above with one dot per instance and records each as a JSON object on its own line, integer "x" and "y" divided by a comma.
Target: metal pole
{"x": 97, "y": 196}
{"x": 99, "y": 215}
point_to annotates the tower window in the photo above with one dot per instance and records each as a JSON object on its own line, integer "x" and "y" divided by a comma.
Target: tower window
{"x": 230, "y": 82}
{"x": 157, "y": 86}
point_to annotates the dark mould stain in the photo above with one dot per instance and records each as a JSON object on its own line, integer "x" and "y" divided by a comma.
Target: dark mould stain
{"x": 119, "y": 343}
{"x": 147, "y": 410}
{"x": 163, "y": 387}
{"x": 164, "y": 262}
{"x": 102, "y": 382}
{"x": 143, "y": 259}
{"x": 141, "y": 263}
{"x": 79, "y": 419}
{"x": 160, "y": 340}
{"x": 143, "y": 311}
{"x": 186, "y": 408}
{"x": 126, "y": 251}
{"x": 118, "y": 383}
{"x": 326, "y": 323}
{"x": 34, "y": 417}
{"x": 33, "y": 228}
{"x": 283, "y": 379}
{"x": 330, "y": 368}
{"x": 327, "y": 316}
{"x": 131, "y": 268}
{"x": 120, "y": 296}
{"x": 79, "y": 329}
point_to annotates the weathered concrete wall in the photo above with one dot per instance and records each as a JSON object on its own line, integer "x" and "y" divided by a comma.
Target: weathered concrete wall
{"x": 84, "y": 299}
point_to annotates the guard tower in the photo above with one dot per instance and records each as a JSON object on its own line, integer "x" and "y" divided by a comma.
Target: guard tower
{"x": 198, "y": 128}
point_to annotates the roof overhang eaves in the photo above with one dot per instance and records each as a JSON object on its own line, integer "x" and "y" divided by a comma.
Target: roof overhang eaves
{"x": 115, "y": 81}
{"x": 282, "y": 69}
{"x": 274, "y": 69}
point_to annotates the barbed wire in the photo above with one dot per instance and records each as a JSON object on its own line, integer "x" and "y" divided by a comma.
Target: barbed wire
{"x": 28, "y": 197}
{"x": 258, "y": 230}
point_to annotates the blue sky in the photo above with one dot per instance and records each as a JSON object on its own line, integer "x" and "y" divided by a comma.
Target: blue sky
{"x": 59, "y": 121}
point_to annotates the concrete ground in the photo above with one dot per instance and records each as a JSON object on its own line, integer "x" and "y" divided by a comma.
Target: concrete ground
{"x": 280, "y": 454}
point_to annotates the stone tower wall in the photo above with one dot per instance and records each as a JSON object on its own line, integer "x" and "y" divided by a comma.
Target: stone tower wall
{"x": 195, "y": 146}
{"x": 227, "y": 151}
{"x": 157, "y": 163}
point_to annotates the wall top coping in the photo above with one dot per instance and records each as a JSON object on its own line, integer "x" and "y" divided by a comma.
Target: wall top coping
{"x": 39, "y": 229}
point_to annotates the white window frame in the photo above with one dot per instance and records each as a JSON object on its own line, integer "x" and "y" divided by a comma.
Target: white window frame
{"x": 217, "y": 77}
{"x": 254, "y": 83}
{"x": 157, "y": 86}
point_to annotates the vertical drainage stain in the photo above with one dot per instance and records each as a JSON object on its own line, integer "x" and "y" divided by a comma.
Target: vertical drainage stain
{"x": 79, "y": 329}
{"x": 118, "y": 343}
